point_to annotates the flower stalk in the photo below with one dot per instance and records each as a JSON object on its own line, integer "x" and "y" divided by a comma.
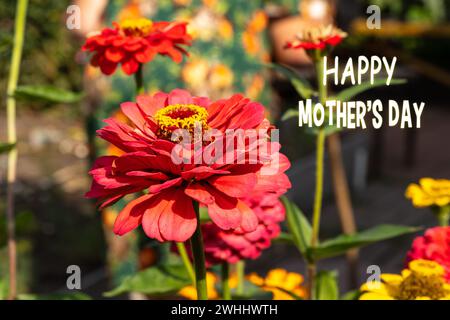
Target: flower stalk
{"x": 139, "y": 80}
{"x": 199, "y": 258}
{"x": 19, "y": 33}
{"x": 185, "y": 258}
{"x": 318, "y": 195}
{"x": 443, "y": 215}
{"x": 226, "y": 293}
{"x": 240, "y": 270}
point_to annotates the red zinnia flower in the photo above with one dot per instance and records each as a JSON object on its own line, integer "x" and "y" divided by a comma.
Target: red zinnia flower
{"x": 234, "y": 245}
{"x": 136, "y": 41}
{"x": 166, "y": 211}
{"x": 317, "y": 38}
{"x": 435, "y": 246}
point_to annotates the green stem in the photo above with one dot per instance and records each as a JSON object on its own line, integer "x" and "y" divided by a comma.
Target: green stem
{"x": 320, "y": 142}
{"x": 199, "y": 258}
{"x": 318, "y": 195}
{"x": 240, "y": 270}
{"x": 226, "y": 293}
{"x": 19, "y": 33}
{"x": 443, "y": 216}
{"x": 187, "y": 263}
{"x": 139, "y": 79}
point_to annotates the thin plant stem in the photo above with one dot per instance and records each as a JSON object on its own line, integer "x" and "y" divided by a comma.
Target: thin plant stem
{"x": 186, "y": 261}
{"x": 226, "y": 293}
{"x": 139, "y": 79}
{"x": 443, "y": 215}
{"x": 199, "y": 258}
{"x": 318, "y": 195}
{"x": 19, "y": 34}
{"x": 240, "y": 270}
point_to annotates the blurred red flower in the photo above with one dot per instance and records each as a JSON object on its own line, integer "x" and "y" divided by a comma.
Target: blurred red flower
{"x": 317, "y": 38}
{"x": 134, "y": 42}
{"x": 435, "y": 246}
{"x": 166, "y": 211}
{"x": 234, "y": 245}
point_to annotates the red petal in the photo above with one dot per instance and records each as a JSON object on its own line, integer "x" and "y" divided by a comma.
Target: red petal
{"x": 133, "y": 112}
{"x": 197, "y": 192}
{"x": 224, "y": 212}
{"x": 235, "y": 185}
{"x": 178, "y": 221}
{"x": 131, "y": 216}
{"x": 130, "y": 66}
{"x": 249, "y": 219}
{"x": 114, "y": 54}
{"x": 179, "y": 96}
{"x": 106, "y": 66}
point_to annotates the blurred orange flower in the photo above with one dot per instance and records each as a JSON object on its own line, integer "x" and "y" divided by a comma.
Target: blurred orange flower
{"x": 255, "y": 87}
{"x": 221, "y": 76}
{"x": 258, "y": 22}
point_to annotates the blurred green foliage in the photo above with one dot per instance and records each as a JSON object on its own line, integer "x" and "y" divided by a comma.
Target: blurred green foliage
{"x": 49, "y": 49}
{"x": 432, "y": 11}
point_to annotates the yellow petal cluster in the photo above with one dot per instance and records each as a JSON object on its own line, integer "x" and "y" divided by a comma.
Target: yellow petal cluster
{"x": 429, "y": 192}
{"x": 281, "y": 283}
{"x": 423, "y": 280}
{"x": 189, "y": 292}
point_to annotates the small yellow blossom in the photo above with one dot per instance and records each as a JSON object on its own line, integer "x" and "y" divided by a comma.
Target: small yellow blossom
{"x": 424, "y": 280}
{"x": 280, "y": 282}
{"x": 189, "y": 292}
{"x": 429, "y": 192}
{"x": 221, "y": 76}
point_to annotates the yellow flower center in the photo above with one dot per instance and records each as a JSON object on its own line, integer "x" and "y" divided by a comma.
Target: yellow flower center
{"x": 425, "y": 281}
{"x": 181, "y": 116}
{"x": 136, "y": 27}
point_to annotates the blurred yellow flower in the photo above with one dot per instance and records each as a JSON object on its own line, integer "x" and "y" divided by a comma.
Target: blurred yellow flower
{"x": 189, "y": 292}
{"x": 209, "y": 3}
{"x": 280, "y": 282}
{"x": 221, "y": 77}
{"x": 429, "y": 192}
{"x": 255, "y": 88}
{"x": 195, "y": 72}
{"x": 251, "y": 42}
{"x": 130, "y": 11}
{"x": 424, "y": 280}
{"x": 109, "y": 216}
{"x": 225, "y": 29}
{"x": 182, "y": 2}
{"x": 258, "y": 22}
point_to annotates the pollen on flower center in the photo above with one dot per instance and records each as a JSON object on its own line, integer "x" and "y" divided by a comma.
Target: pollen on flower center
{"x": 136, "y": 27}
{"x": 181, "y": 116}
{"x": 426, "y": 280}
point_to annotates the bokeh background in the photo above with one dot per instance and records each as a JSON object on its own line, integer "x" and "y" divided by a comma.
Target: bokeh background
{"x": 234, "y": 42}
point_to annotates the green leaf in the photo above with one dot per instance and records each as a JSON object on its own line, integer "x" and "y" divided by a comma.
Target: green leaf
{"x": 290, "y": 113}
{"x": 5, "y": 147}
{"x": 329, "y": 130}
{"x": 284, "y": 237}
{"x": 46, "y": 94}
{"x": 302, "y": 87}
{"x": 326, "y": 287}
{"x": 251, "y": 291}
{"x": 292, "y": 294}
{"x": 298, "y": 226}
{"x": 55, "y": 296}
{"x": 351, "y": 295}
{"x": 300, "y": 84}
{"x": 343, "y": 243}
{"x": 348, "y": 94}
{"x": 3, "y": 288}
{"x": 156, "y": 281}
